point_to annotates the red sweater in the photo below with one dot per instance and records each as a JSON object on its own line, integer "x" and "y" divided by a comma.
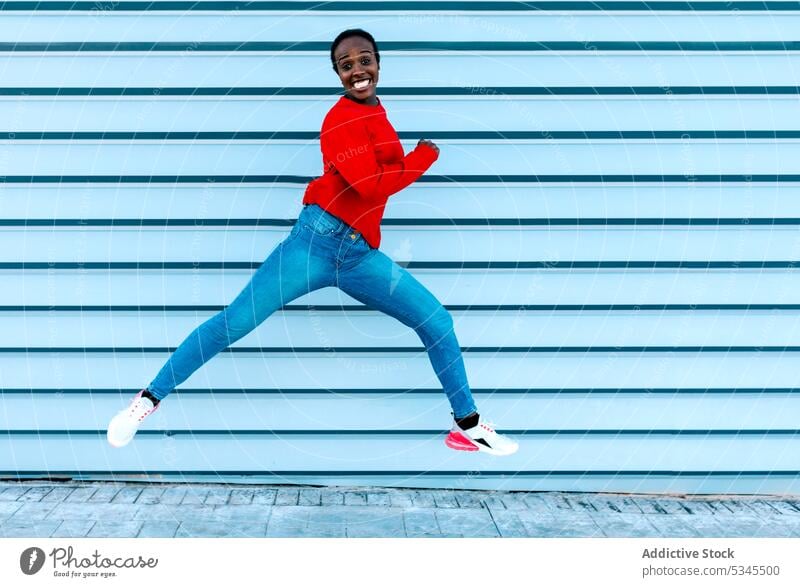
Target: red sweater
{"x": 363, "y": 164}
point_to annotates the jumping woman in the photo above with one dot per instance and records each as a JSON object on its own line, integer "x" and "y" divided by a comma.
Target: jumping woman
{"x": 335, "y": 243}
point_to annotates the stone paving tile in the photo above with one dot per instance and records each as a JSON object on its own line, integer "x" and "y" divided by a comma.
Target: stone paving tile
{"x": 58, "y": 494}
{"x": 331, "y": 496}
{"x": 559, "y": 504}
{"x": 151, "y": 495}
{"x": 32, "y": 529}
{"x": 470, "y": 523}
{"x": 378, "y": 498}
{"x": 401, "y": 499}
{"x": 469, "y": 500}
{"x": 616, "y": 504}
{"x": 8, "y": 508}
{"x": 289, "y": 522}
{"x": 177, "y": 513}
{"x": 580, "y": 503}
{"x": 421, "y": 523}
{"x": 783, "y": 507}
{"x": 242, "y": 496}
{"x": 35, "y": 494}
{"x": 199, "y": 529}
{"x": 559, "y": 526}
{"x": 675, "y": 525}
{"x": 73, "y": 529}
{"x": 34, "y": 511}
{"x": 514, "y": 501}
{"x": 330, "y": 522}
{"x": 127, "y": 495}
{"x": 721, "y": 508}
{"x": 706, "y": 526}
{"x": 493, "y": 502}
{"x": 718, "y": 508}
{"x": 537, "y": 503}
{"x": 287, "y": 496}
{"x": 262, "y": 496}
{"x": 355, "y": 498}
{"x": 309, "y": 496}
{"x": 753, "y": 527}
{"x": 81, "y": 494}
{"x": 173, "y": 495}
{"x": 95, "y": 511}
{"x": 660, "y": 506}
{"x": 445, "y": 499}
{"x": 13, "y": 493}
{"x": 508, "y": 523}
{"x": 243, "y": 513}
{"x": 422, "y": 499}
{"x": 115, "y": 530}
{"x": 792, "y": 524}
{"x": 697, "y": 507}
{"x": 793, "y": 502}
{"x": 761, "y": 508}
{"x": 218, "y": 496}
{"x": 739, "y": 507}
{"x": 374, "y": 522}
{"x": 158, "y": 530}
{"x": 195, "y": 495}
{"x": 625, "y": 526}
{"x": 104, "y": 493}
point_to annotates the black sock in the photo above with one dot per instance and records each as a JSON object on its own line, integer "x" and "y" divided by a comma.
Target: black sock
{"x": 146, "y": 393}
{"x": 468, "y": 422}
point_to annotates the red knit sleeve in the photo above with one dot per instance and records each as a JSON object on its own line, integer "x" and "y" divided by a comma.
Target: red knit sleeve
{"x": 347, "y": 146}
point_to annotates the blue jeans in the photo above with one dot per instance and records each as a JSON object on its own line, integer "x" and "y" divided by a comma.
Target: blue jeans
{"x": 324, "y": 251}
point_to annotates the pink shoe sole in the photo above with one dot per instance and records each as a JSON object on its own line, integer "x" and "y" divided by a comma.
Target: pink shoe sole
{"x": 458, "y": 441}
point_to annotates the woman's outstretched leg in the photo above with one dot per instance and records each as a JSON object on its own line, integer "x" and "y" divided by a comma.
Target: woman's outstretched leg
{"x": 380, "y": 283}
{"x": 289, "y": 272}
{"x": 286, "y": 275}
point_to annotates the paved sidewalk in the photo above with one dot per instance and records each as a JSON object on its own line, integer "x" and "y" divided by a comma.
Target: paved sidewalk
{"x": 122, "y": 510}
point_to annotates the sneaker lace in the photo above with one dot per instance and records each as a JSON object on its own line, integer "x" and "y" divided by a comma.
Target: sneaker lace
{"x": 487, "y": 425}
{"x": 139, "y": 409}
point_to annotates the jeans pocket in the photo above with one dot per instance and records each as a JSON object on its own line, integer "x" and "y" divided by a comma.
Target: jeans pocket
{"x": 323, "y": 224}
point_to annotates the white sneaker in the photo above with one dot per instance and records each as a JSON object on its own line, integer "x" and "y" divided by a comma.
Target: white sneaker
{"x": 481, "y": 437}
{"x": 124, "y": 425}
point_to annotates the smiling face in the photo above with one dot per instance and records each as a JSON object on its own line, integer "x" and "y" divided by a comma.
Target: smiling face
{"x": 357, "y": 68}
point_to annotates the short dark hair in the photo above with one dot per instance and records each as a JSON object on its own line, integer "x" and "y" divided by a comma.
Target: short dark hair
{"x": 353, "y": 33}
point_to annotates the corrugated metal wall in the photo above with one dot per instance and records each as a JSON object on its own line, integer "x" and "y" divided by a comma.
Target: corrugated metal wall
{"x": 613, "y": 224}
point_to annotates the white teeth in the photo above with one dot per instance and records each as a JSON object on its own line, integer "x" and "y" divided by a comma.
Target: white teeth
{"x": 361, "y": 84}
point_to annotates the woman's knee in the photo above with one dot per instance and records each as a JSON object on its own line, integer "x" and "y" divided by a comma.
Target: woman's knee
{"x": 437, "y": 323}
{"x": 226, "y": 327}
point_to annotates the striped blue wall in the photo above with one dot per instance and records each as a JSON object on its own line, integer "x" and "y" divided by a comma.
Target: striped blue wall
{"x": 613, "y": 224}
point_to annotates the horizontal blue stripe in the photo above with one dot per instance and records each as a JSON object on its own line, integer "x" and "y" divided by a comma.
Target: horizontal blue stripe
{"x": 467, "y": 46}
{"x": 515, "y": 432}
{"x": 415, "y": 91}
{"x": 431, "y": 391}
{"x": 393, "y": 5}
{"x": 304, "y": 179}
{"x": 229, "y": 265}
{"x": 449, "y": 307}
{"x": 387, "y": 350}
{"x": 433, "y": 134}
{"x": 280, "y": 222}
